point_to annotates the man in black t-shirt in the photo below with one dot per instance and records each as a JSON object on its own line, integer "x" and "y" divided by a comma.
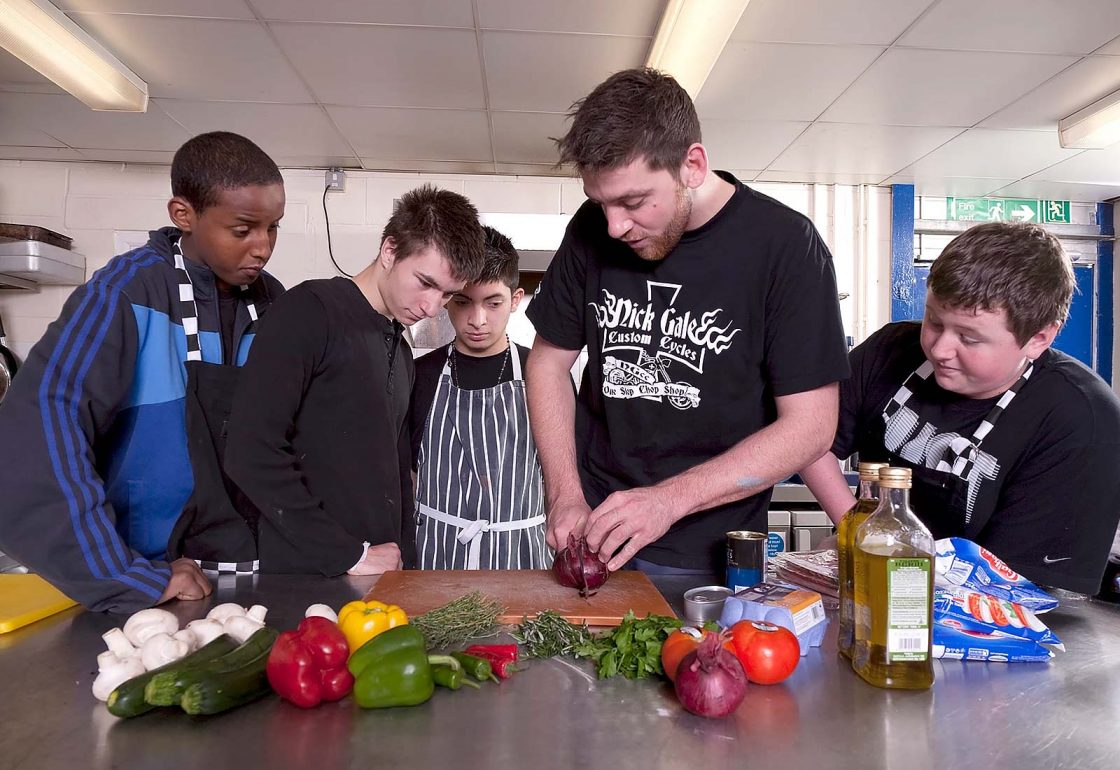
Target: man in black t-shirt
{"x": 318, "y": 438}
{"x": 711, "y": 321}
{"x": 479, "y": 497}
{"x": 1013, "y": 445}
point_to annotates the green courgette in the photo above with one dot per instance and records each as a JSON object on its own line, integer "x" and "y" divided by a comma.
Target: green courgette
{"x": 166, "y": 689}
{"x": 128, "y": 699}
{"x": 218, "y": 691}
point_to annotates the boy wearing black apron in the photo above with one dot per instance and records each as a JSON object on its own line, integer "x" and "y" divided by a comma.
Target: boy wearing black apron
{"x": 112, "y": 431}
{"x": 1012, "y": 444}
{"x": 318, "y": 439}
{"x": 479, "y": 496}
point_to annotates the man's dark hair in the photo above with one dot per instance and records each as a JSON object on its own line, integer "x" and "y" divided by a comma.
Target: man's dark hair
{"x": 634, "y": 113}
{"x": 1016, "y": 266}
{"x": 501, "y": 260}
{"x": 429, "y": 216}
{"x": 219, "y": 160}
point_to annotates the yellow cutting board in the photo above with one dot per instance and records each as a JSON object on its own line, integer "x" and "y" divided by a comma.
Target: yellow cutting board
{"x": 27, "y": 598}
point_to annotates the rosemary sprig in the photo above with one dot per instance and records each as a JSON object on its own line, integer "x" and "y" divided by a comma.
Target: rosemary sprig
{"x": 472, "y": 616}
{"x": 549, "y": 635}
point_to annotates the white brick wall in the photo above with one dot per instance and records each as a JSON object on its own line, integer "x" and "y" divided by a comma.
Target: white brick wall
{"x": 92, "y": 201}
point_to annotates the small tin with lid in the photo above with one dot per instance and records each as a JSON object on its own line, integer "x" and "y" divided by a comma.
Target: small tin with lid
{"x": 705, "y": 603}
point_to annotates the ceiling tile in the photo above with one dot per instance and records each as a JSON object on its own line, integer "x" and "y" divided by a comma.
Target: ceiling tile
{"x": 546, "y": 73}
{"x": 1045, "y": 190}
{"x": 433, "y": 13}
{"x": 207, "y": 59}
{"x": 1092, "y": 78}
{"x": 78, "y": 126}
{"x": 949, "y": 186}
{"x": 523, "y": 137}
{"x": 818, "y": 177}
{"x": 780, "y": 81}
{"x": 618, "y": 17}
{"x": 17, "y": 126}
{"x": 386, "y": 133}
{"x": 162, "y": 158}
{"x": 358, "y": 65}
{"x": 993, "y": 154}
{"x": 1090, "y": 167}
{"x": 213, "y": 9}
{"x": 827, "y": 21}
{"x": 280, "y": 129}
{"x": 1036, "y": 26}
{"x": 317, "y": 161}
{"x": 941, "y": 88}
{"x": 1111, "y": 48}
{"x": 845, "y": 148}
{"x": 39, "y": 153}
{"x": 748, "y": 144}
{"x": 428, "y": 166}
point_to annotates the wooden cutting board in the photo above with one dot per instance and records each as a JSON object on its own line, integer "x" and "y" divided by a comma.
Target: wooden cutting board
{"x": 523, "y": 593}
{"x": 27, "y": 598}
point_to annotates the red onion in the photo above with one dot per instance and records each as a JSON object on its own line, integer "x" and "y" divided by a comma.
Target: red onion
{"x": 710, "y": 681}
{"x": 578, "y": 567}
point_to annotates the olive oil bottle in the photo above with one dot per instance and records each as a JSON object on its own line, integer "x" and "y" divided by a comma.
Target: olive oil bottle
{"x": 845, "y": 545}
{"x": 893, "y": 588}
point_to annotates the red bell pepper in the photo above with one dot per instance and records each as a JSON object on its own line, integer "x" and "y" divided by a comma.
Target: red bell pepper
{"x": 308, "y": 666}
{"x": 500, "y": 656}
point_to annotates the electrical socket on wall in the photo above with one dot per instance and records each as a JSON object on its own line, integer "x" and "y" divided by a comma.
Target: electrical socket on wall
{"x": 336, "y": 179}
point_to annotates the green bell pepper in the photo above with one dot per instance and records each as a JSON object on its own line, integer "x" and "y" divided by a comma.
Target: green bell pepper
{"x": 394, "y": 669}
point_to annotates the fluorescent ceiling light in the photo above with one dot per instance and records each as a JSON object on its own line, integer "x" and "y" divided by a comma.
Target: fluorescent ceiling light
{"x": 690, "y": 38}
{"x": 1093, "y": 128}
{"x": 41, "y": 36}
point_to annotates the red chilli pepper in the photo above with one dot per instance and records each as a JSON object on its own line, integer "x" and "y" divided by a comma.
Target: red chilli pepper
{"x": 501, "y": 657}
{"x": 308, "y": 665}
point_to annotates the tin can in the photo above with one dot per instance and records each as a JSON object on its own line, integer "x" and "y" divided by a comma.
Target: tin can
{"x": 746, "y": 559}
{"x": 705, "y": 603}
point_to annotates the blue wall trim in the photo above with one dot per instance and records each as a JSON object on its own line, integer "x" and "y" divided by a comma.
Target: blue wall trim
{"x": 906, "y": 304}
{"x": 1105, "y": 268}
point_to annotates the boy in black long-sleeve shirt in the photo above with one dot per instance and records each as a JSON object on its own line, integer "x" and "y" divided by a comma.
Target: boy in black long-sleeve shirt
{"x": 318, "y": 439}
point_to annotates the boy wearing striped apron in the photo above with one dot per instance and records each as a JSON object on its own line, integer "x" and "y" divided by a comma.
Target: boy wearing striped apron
{"x": 479, "y": 501}
{"x": 1012, "y": 444}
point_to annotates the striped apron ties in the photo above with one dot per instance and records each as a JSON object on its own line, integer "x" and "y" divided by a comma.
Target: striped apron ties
{"x": 480, "y": 501}
{"x": 961, "y": 454}
{"x": 188, "y": 310}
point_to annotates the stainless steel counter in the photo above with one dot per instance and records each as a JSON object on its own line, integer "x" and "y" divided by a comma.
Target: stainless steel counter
{"x": 556, "y": 714}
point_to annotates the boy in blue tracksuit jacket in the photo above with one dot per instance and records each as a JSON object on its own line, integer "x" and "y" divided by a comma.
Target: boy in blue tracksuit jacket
{"x": 94, "y": 461}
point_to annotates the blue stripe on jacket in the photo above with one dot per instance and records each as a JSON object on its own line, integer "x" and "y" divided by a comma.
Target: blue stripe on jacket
{"x": 62, "y": 425}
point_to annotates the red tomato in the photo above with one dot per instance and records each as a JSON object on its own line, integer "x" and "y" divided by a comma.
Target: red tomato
{"x": 769, "y": 653}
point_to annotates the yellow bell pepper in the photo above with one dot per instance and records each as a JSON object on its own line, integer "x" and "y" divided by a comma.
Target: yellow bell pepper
{"x": 361, "y": 621}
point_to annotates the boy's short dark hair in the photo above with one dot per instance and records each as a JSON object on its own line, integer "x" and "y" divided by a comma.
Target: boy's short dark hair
{"x": 634, "y": 113}
{"x": 429, "y": 216}
{"x": 501, "y": 260}
{"x": 1016, "y": 266}
{"x": 219, "y": 160}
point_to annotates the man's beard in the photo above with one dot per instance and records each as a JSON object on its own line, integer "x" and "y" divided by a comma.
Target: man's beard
{"x": 661, "y": 245}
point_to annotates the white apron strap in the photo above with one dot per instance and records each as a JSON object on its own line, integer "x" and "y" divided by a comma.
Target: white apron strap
{"x": 472, "y": 530}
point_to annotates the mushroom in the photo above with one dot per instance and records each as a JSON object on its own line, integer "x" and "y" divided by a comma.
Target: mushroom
{"x": 205, "y": 631}
{"x": 147, "y": 623}
{"x": 241, "y": 627}
{"x": 162, "y": 649}
{"x": 113, "y": 671}
{"x": 224, "y": 612}
{"x": 188, "y": 637}
{"x": 321, "y": 611}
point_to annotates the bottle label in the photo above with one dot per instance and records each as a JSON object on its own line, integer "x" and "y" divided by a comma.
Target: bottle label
{"x": 908, "y": 609}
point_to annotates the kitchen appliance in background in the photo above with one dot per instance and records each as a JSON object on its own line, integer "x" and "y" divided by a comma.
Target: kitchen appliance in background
{"x": 8, "y": 363}
{"x": 778, "y": 540}
{"x": 809, "y": 528}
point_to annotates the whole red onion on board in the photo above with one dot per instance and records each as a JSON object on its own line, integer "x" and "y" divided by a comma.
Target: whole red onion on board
{"x": 710, "y": 680}
{"x": 577, "y": 566}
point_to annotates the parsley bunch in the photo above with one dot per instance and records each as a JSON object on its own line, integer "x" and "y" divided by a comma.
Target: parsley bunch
{"x": 633, "y": 649}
